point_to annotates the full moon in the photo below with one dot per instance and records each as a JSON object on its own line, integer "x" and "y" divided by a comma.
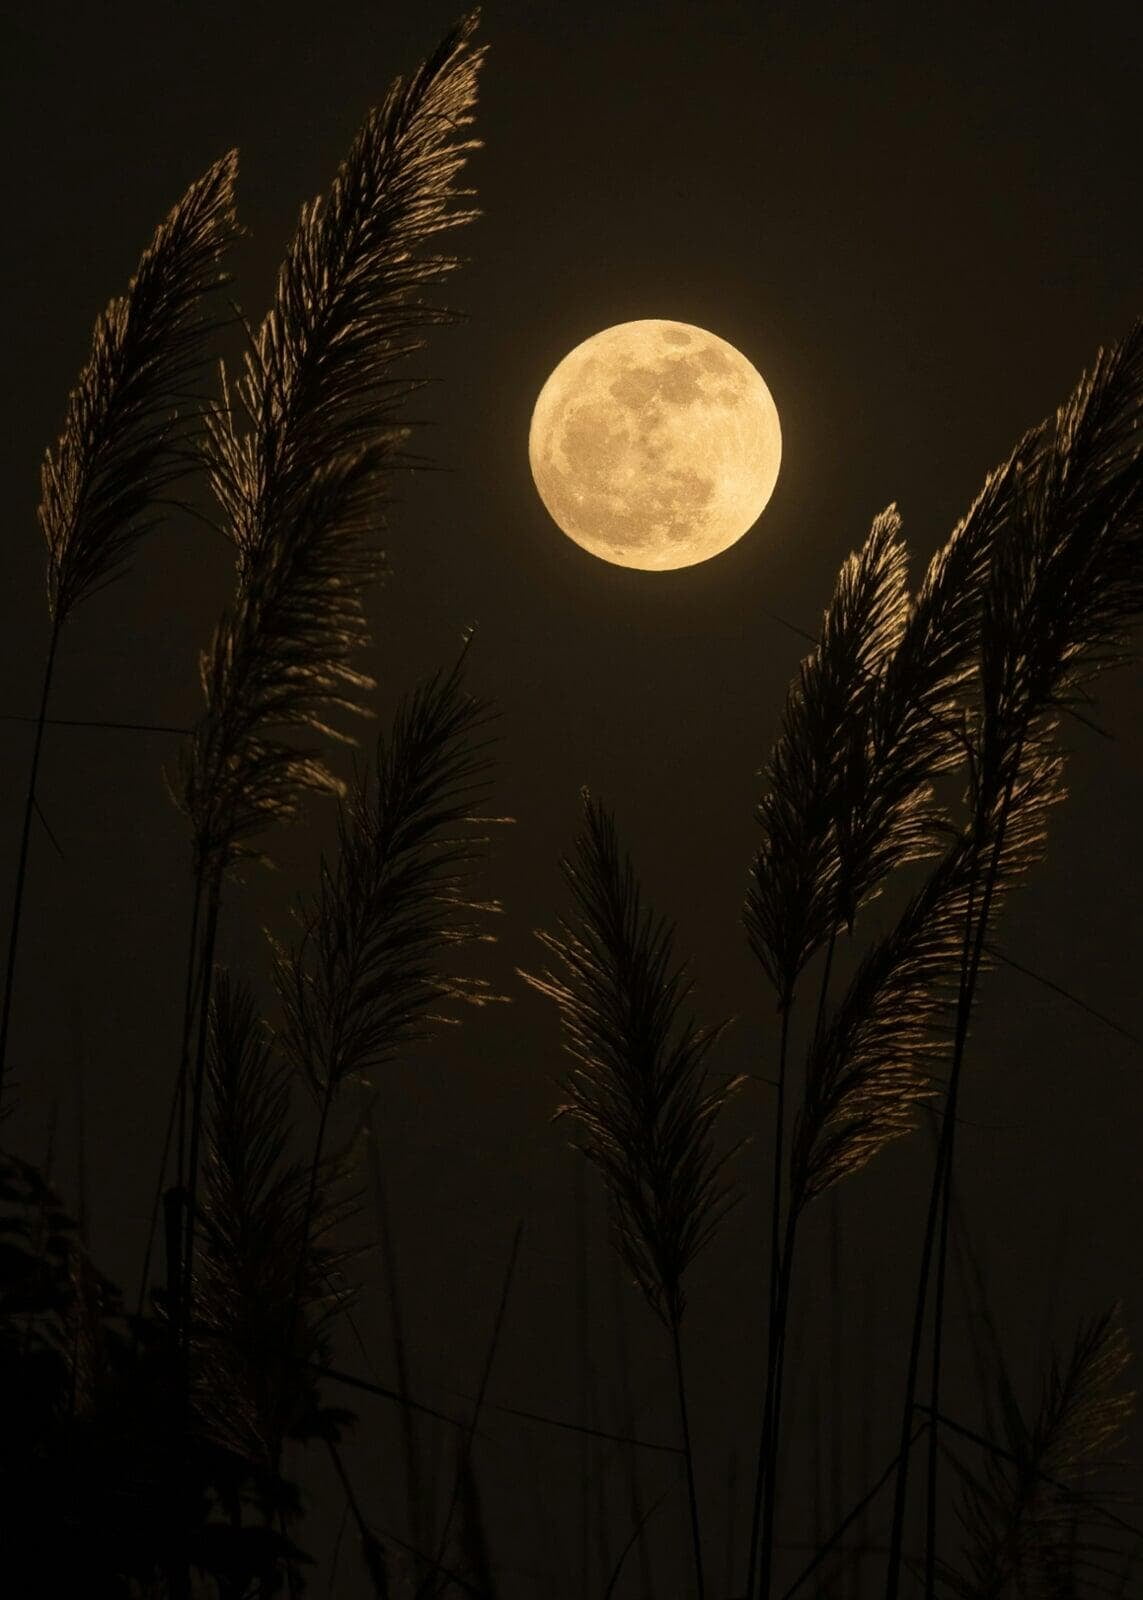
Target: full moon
{"x": 655, "y": 444}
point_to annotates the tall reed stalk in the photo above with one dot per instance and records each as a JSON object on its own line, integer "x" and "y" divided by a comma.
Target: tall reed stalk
{"x": 638, "y": 1091}
{"x": 298, "y": 452}
{"x": 1064, "y": 581}
{"x": 826, "y": 841}
{"x": 878, "y": 713}
{"x": 128, "y": 432}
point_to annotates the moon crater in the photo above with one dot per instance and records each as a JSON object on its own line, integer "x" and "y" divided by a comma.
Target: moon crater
{"x": 655, "y": 444}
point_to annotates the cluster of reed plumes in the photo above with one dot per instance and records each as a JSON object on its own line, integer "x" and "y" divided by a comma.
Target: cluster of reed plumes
{"x": 142, "y": 1451}
{"x": 1028, "y": 601}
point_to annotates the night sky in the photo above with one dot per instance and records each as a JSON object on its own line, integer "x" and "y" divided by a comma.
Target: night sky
{"x": 919, "y": 223}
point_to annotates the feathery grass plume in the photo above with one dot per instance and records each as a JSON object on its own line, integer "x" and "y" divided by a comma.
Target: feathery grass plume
{"x": 819, "y": 762}
{"x": 128, "y": 431}
{"x": 300, "y": 484}
{"x": 934, "y": 666}
{"x": 831, "y": 824}
{"x": 252, "y": 1384}
{"x": 318, "y": 379}
{"x": 638, "y": 1091}
{"x": 300, "y": 481}
{"x": 869, "y": 1068}
{"x": 127, "y": 437}
{"x": 1065, "y": 579}
{"x": 368, "y": 973}
{"x": 1021, "y": 1513}
{"x": 279, "y": 659}
{"x": 988, "y": 856}
{"x": 872, "y": 720}
{"x": 914, "y": 709}
{"x": 1067, "y": 582}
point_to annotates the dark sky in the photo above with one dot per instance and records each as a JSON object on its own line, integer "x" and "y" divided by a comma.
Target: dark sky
{"x": 919, "y": 223}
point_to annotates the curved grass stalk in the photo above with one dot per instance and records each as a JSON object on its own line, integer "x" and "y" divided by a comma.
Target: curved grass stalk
{"x": 127, "y": 435}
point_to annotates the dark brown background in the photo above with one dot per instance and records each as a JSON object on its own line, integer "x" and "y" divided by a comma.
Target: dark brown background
{"x": 918, "y": 223}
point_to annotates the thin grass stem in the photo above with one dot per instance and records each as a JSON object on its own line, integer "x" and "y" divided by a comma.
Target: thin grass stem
{"x": 935, "y": 1383}
{"x": 945, "y": 1174}
{"x": 775, "y": 1265}
{"x": 975, "y": 931}
{"x": 190, "y": 1180}
{"x": 637, "y": 1534}
{"x": 772, "y": 1426}
{"x": 464, "y": 1464}
{"x": 22, "y": 861}
{"x": 95, "y": 722}
{"x": 307, "y": 1215}
{"x": 178, "y": 1106}
{"x": 417, "y": 1509}
{"x": 857, "y": 1510}
{"x": 684, "y": 1420}
{"x": 836, "y": 1472}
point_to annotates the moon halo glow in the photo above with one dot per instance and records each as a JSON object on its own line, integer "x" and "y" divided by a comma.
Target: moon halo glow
{"x": 655, "y": 444}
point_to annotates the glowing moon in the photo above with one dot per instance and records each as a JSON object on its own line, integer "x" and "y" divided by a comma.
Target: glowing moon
{"x": 655, "y": 444}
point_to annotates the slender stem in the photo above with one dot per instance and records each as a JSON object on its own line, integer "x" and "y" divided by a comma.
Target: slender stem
{"x": 416, "y": 1508}
{"x": 975, "y": 932}
{"x": 90, "y": 722}
{"x": 583, "y": 1336}
{"x": 178, "y": 1104}
{"x": 775, "y": 1268}
{"x": 897, "y": 1535}
{"x": 868, "y": 1411}
{"x": 299, "y": 1270}
{"x": 180, "y": 1575}
{"x": 774, "y": 1421}
{"x": 453, "y": 1578}
{"x": 814, "y": 1486}
{"x": 465, "y": 1442}
{"x": 22, "y": 863}
{"x": 779, "y": 1273}
{"x": 696, "y": 1538}
{"x": 836, "y": 1475}
{"x": 969, "y": 974}
{"x": 834, "y": 1274}
{"x": 857, "y": 1510}
{"x": 307, "y": 1216}
{"x": 779, "y": 1153}
{"x": 191, "y": 1179}
{"x": 351, "y": 1502}
{"x": 935, "y": 1383}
